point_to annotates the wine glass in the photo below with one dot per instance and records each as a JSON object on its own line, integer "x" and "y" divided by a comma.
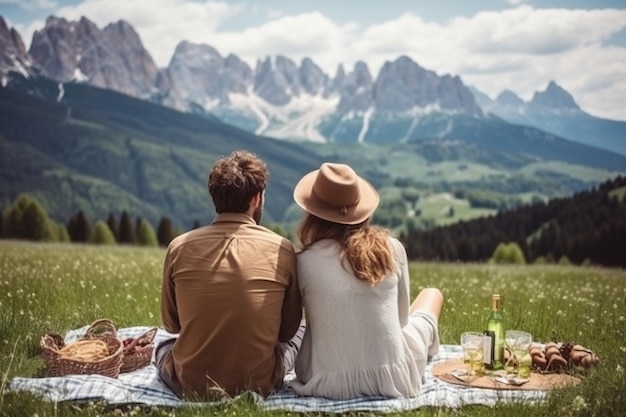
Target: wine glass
{"x": 519, "y": 343}
{"x": 472, "y": 344}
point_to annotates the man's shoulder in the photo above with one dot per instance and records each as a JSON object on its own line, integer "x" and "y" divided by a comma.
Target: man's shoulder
{"x": 262, "y": 232}
{"x": 188, "y": 236}
{"x": 255, "y": 232}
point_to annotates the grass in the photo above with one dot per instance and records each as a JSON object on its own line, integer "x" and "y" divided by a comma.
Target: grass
{"x": 45, "y": 287}
{"x": 579, "y": 172}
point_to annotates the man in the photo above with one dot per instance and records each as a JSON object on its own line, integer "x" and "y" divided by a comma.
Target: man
{"x": 230, "y": 292}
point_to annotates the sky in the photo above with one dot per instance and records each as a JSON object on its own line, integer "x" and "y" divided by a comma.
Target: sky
{"x": 492, "y": 45}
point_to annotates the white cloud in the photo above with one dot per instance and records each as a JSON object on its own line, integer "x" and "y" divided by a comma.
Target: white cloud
{"x": 161, "y": 26}
{"x": 308, "y": 35}
{"x": 26, "y": 31}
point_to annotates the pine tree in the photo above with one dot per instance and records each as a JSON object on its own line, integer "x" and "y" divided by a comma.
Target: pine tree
{"x": 127, "y": 230}
{"x": 101, "y": 234}
{"x": 165, "y": 231}
{"x": 112, "y": 223}
{"x": 78, "y": 227}
{"x": 61, "y": 233}
{"x": 83, "y": 227}
{"x": 26, "y": 218}
{"x": 36, "y": 225}
{"x": 145, "y": 234}
{"x": 13, "y": 216}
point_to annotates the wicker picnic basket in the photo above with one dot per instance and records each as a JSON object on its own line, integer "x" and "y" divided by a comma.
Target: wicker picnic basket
{"x": 138, "y": 351}
{"x": 97, "y": 353}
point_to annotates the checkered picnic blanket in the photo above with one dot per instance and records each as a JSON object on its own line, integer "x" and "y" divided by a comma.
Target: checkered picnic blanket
{"x": 144, "y": 387}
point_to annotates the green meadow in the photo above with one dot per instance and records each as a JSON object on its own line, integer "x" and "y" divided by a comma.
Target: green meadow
{"x": 55, "y": 288}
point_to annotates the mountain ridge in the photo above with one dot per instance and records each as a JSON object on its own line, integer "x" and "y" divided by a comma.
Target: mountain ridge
{"x": 282, "y": 99}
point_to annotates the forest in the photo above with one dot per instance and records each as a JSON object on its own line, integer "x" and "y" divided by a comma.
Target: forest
{"x": 587, "y": 227}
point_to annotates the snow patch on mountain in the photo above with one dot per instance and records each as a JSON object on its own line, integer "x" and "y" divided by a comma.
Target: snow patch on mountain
{"x": 20, "y": 67}
{"x": 251, "y": 102}
{"x": 79, "y": 76}
{"x": 424, "y": 110}
{"x": 447, "y": 130}
{"x": 414, "y": 123}
{"x": 304, "y": 121}
{"x": 366, "y": 125}
{"x": 61, "y": 93}
{"x": 299, "y": 119}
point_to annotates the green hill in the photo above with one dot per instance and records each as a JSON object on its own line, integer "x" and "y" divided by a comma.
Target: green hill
{"x": 100, "y": 151}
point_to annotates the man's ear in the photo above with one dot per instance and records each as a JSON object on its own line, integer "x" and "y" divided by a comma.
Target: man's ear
{"x": 255, "y": 201}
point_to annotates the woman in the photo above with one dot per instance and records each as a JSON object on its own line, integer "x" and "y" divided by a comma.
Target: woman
{"x": 362, "y": 338}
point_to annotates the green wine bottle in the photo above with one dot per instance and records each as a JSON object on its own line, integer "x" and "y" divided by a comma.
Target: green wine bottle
{"x": 493, "y": 351}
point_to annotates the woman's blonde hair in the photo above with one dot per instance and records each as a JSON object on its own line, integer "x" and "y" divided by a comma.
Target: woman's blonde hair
{"x": 366, "y": 248}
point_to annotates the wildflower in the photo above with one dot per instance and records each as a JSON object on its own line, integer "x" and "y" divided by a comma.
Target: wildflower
{"x": 619, "y": 369}
{"x": 579, "y": 403}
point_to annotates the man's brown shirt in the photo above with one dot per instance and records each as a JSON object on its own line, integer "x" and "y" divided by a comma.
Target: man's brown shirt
{"x": 230, "y": 291}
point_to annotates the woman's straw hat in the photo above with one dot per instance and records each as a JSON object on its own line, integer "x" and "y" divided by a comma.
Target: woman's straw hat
{"x": 337, "y": 194}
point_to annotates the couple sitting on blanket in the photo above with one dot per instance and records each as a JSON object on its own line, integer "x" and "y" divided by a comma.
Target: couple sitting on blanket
{"x": 235, "y": 291}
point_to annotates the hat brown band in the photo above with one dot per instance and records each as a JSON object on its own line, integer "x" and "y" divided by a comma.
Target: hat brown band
{"x": 343, "y": 208}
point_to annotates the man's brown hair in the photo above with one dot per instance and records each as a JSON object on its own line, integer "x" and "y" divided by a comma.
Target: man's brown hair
{"x": 235, "y": 179}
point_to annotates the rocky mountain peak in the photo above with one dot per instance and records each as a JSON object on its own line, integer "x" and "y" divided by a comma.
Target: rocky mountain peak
{"x": 340, "y": 73}
{"x": 509, "y": 98}
{"x": 198, "y": 78}
{"x": 10, "y": 40}
{"x": 275, "y": 82}
{"x": 362, "y": 76}
{"x": 195, "y": 55}
{"x": 113, "y": 58}
{"x": 403, "y": 85}
{"x": 554, "y": 98}
{"x": 355, "y": 88}
{"x": 201, "y": 75}
{"x": 237, "y": 75}
{"x": 13, "y": 56}
{"x": 312, "y": 78}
